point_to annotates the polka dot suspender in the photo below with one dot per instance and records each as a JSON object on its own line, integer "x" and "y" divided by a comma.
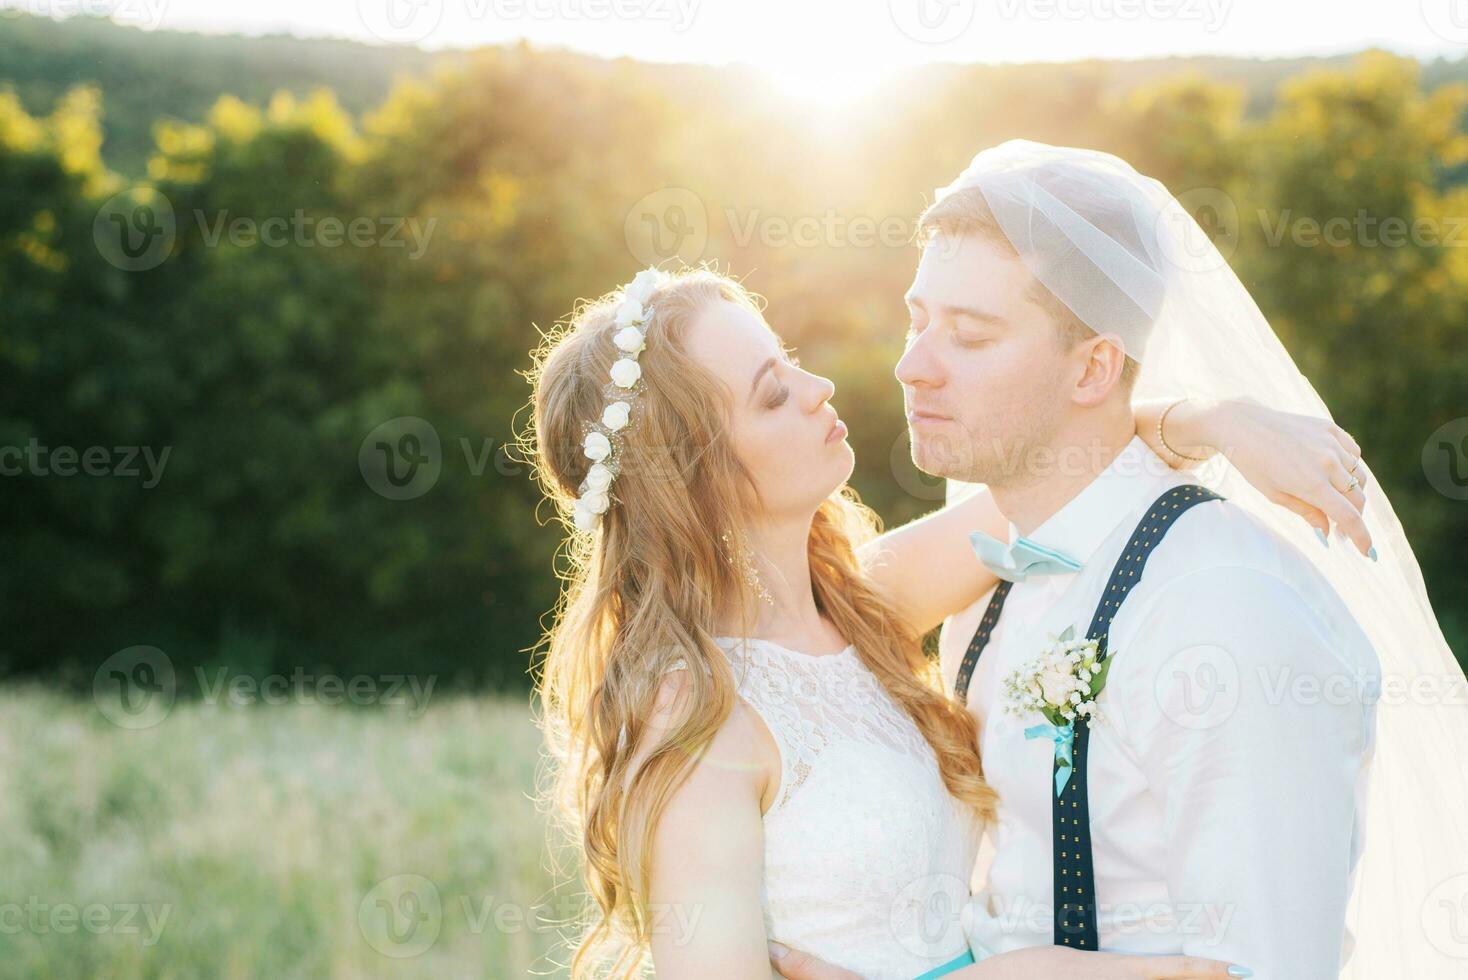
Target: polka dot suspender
{"x": 1074, "y": 878}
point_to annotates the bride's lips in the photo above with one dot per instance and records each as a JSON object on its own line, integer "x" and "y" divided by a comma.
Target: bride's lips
{"x": 838, "y": 431}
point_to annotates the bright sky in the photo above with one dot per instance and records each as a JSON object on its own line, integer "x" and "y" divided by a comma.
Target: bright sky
{"x": 834, "y": 48}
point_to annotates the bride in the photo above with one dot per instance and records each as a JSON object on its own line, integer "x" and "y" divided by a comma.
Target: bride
{"x": 748, "y": 738}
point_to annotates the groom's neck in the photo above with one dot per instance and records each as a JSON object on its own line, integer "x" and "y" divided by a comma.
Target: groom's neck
{"x": 1056, "y": 473}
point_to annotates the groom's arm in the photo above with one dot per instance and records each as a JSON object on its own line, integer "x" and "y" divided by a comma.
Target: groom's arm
{"x": 1249, "y": 721}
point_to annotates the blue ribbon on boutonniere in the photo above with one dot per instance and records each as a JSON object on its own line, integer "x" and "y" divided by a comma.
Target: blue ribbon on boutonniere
{"x": 1063, "y": 736}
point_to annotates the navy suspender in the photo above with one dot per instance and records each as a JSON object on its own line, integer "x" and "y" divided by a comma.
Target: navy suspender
{"x": 1070, "y": 820}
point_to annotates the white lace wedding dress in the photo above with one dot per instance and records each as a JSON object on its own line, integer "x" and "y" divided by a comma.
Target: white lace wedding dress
{"x": 867, "y": 857}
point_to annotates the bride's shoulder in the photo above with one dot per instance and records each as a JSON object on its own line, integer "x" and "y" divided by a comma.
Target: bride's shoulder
{"x": 740, "y": 749}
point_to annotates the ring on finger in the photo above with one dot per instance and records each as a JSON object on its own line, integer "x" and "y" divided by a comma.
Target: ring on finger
{"x": 1354, "y": 465}
{"x": 1352, "y": 485}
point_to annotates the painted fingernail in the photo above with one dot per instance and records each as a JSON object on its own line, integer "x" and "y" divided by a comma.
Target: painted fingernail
{"x": 1371, "y": 553}
{"x": 778, "y": 951}
{"x": 1323, "y": 539}
{"x": 1240, "y": 971}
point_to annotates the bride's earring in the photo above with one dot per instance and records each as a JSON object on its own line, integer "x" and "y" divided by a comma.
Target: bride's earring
{"x": 746, "y": 567}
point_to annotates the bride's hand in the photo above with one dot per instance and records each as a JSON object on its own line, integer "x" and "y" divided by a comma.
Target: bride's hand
{"x": 1302, "y": 463}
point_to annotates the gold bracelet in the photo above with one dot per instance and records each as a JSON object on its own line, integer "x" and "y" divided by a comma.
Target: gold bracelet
{"x": 1163, "y": 439}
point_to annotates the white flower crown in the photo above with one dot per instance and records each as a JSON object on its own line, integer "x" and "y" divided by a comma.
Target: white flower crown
{"x": 602, "y": 444}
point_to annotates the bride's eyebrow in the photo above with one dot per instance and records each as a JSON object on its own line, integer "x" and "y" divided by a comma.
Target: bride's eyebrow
{"x": 759, "y": 374}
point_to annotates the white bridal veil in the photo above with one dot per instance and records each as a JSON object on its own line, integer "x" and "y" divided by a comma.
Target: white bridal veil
{"x": 1121, "y": 252}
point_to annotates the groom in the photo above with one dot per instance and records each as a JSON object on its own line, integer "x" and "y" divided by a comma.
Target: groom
{"x": 1216, "y": 808}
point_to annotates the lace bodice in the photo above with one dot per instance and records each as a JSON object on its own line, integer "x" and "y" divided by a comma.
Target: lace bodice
{"x": 867, "y": 858}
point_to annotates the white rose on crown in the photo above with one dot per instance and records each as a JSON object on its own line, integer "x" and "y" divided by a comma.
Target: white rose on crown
{"x": 644, "y": 284}
{"x": 615, "y": 416}
{"x": 598, "y": 478}
{"x": 595, "y": 501}
{"x": 630, "y": 340}
{"x": 625, "y": 373}
{"x": 597, "y": 447}
{"x": 629, "y": 312}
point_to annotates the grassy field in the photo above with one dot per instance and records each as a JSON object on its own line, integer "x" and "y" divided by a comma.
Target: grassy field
{"x": 273, "y": 842}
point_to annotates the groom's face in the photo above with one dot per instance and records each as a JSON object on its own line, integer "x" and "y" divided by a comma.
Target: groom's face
{"x": 984, "y": 372}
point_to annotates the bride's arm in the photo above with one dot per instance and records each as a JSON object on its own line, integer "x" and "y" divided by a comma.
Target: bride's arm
{"x": 707, "y": 856}
{"x": 929, "y": 569}
{"x": 928, "y": 566}
{"x": 1296, "y": 461}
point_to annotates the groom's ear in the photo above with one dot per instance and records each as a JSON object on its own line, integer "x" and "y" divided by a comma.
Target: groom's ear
{"x": 1100, "y": 363}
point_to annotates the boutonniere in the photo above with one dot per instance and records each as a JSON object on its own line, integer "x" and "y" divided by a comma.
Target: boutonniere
{"x": 1061, "y": 683}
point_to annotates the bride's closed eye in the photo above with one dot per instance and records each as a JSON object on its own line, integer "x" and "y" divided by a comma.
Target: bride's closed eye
{"x": 782, "y": 395}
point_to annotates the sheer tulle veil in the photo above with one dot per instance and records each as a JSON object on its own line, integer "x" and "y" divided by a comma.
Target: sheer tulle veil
{"x": 1121, "y": 252}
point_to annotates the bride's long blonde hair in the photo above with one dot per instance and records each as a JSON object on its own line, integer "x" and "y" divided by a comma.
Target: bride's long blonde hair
{"x": 640, "y": 593}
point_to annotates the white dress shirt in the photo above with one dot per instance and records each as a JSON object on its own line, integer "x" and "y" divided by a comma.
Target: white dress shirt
{"x": 1227, "y": 778}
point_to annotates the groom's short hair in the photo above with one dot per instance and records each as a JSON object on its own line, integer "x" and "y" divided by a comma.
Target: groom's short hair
{"x": 967, "y": 212}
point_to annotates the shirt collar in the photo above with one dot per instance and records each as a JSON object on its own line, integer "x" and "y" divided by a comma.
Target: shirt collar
{"x": 1133, "y": 479}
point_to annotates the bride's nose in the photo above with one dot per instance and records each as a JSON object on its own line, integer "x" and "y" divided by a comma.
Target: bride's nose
{"x": 819, "y": 392}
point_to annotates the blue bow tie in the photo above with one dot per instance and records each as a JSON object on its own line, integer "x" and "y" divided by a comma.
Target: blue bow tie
{"x": 1014, "y": 563}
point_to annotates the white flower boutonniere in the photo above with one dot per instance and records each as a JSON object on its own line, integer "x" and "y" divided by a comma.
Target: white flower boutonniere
{"x": 1062, "y": 683}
